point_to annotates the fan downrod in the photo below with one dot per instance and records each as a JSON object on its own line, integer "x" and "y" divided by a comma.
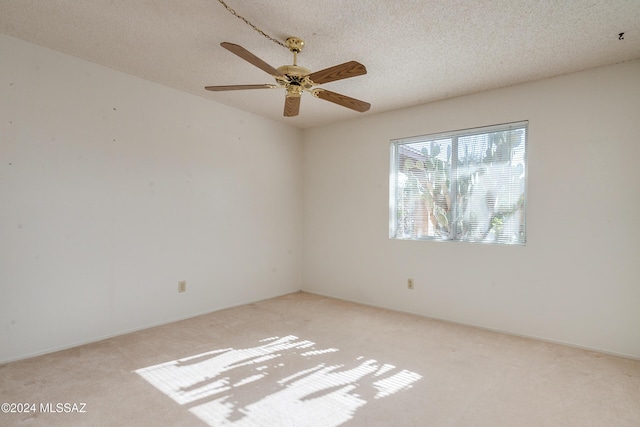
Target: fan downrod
{"x": 295, "y": 45}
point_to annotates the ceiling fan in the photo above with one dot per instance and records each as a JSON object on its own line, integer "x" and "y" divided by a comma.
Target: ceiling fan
{"x": 296, "y": 79}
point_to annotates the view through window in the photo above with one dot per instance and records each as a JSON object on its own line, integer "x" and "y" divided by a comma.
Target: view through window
{"x": 467, "y": 185}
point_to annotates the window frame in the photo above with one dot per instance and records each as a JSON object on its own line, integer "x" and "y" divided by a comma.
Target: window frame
{"x": 454, "y": 136}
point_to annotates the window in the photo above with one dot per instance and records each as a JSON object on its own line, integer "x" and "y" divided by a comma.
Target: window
{"x": 467, "y": 185}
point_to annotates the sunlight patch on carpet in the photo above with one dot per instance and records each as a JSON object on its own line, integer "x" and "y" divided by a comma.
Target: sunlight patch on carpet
{"x": 255, "y": 387}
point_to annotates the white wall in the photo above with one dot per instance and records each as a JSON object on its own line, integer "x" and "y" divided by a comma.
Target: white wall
{"x": 577, "y": 280}
{"x": 112, "y": 189}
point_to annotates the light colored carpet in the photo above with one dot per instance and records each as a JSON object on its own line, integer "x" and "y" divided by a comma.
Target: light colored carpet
{"x": 305, "y": 360}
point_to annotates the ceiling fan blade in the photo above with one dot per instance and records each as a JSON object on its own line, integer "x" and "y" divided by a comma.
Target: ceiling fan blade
{"x": 343, "y": 100}
{"x": 239, "y": 87}
{"x": 251, "y": 58}
{"x": 338, "y": 72}
{"x": 291, "y": 106}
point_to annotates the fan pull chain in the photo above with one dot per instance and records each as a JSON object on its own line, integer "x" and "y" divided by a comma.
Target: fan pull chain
{"x": 234, "y": 13}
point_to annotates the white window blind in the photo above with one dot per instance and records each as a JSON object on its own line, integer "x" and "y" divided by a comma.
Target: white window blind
{"x": 467, "y": 185}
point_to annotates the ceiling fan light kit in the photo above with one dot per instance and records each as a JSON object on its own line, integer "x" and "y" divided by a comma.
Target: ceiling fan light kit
{"x": 295, "y": 79}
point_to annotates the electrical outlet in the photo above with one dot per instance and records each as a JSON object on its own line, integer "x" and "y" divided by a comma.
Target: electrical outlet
{"x": 410, "y": 283}
{"x": 182, "y": 286}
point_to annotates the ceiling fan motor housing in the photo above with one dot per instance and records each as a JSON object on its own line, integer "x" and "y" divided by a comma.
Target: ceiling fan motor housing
{"x": 294, "y": 76}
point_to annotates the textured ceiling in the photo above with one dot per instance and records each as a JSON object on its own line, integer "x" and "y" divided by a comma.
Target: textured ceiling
{"x": 415, "y": 51}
